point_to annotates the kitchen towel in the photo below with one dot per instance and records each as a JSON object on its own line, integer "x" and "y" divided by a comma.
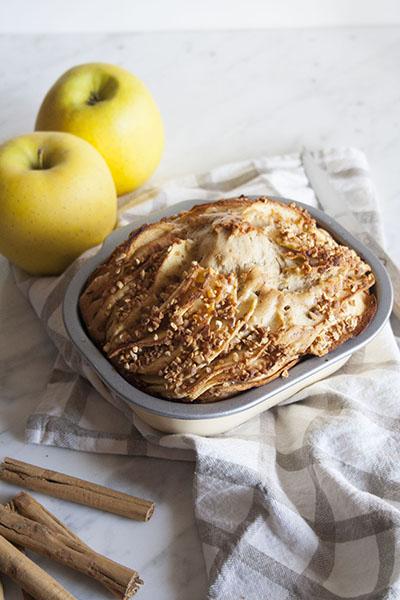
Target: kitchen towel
{"x": 301, "y": 501}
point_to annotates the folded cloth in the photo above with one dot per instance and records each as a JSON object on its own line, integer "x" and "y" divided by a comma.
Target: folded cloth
{"x": 299, "y": 502}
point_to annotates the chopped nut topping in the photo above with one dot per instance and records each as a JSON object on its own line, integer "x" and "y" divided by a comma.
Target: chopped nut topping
{"x": 224, "y": 297}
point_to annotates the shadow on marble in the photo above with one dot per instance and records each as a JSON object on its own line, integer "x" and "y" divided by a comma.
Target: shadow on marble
{"x": 26, "y": 356}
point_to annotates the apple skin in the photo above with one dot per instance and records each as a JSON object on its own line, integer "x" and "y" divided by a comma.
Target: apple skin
{"x": 114, "y": 111}
{"x": 57, "y": 199}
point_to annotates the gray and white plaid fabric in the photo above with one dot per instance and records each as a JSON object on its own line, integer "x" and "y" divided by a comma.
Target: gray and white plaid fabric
{"x": 300, "y": 502}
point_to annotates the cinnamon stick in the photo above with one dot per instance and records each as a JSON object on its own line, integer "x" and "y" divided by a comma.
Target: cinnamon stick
{"x": 56, "y": 542}
{"x": 76, "y": 490}
{"x": 26, "y": 506}
{"x": 28, "y": 575}
{"x": 25, "y": 594}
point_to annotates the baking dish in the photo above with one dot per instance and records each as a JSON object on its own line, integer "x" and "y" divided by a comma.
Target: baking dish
{"x": 218, "y": 417}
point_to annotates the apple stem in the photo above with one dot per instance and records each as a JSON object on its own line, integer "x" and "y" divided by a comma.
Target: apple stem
{"x": 93, "y": 99}
{"x": 40, "y": 158}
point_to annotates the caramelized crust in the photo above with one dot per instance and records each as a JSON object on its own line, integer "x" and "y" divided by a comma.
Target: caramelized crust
{"x": 225, "y": 297}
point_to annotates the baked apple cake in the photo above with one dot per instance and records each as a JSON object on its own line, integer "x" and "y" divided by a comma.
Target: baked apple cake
{"x": 224, "y": 297}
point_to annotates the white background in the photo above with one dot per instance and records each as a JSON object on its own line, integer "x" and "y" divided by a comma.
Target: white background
{"x": 37, "y": 16}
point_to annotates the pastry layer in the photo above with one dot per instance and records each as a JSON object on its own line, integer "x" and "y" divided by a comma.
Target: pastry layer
{"x": 225, "y": 297}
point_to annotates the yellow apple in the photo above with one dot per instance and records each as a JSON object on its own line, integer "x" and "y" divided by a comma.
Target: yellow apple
{"x": 57, "y": 199}
{"x": 114, "y": 111}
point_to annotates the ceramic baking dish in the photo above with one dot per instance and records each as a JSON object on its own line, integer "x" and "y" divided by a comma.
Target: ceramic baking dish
{"x": 220, "y": 416}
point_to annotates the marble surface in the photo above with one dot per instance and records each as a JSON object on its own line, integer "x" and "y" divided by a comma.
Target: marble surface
{"x": 17, "y": 16}
{"x": 224, "y": 97}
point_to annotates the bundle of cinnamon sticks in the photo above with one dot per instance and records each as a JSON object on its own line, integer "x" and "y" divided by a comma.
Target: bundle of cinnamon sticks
{"x": 26, "y": 524}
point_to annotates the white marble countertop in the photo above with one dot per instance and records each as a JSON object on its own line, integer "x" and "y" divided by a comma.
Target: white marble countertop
{"x": 224, "y": 97}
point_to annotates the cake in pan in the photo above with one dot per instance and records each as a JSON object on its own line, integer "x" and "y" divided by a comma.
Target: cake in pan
{"x": 224, "y": 297}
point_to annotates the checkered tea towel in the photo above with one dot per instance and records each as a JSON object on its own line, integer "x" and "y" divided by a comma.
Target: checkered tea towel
{"x": 301, "y": 501}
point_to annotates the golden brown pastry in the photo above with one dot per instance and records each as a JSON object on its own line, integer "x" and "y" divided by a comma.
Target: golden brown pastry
{"x": 224, "y": 297}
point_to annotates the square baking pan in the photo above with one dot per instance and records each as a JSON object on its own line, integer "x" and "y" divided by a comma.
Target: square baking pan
{"x": 220, "y": 416}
